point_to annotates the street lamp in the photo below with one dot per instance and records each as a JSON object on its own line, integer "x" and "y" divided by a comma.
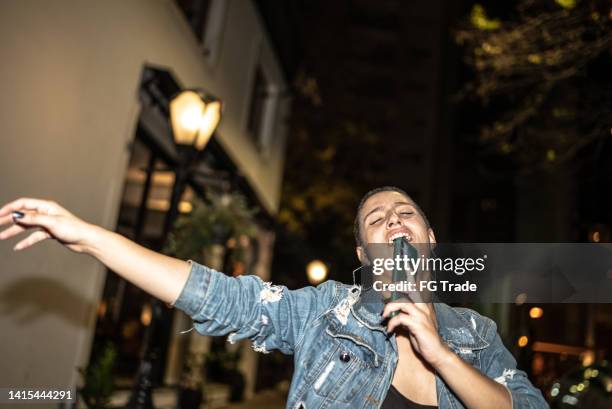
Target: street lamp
{"x": 194, "y": 116}
{"x": 316, "y": 271}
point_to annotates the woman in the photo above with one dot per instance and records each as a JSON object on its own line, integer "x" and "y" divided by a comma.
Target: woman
{"x": 348, "y": 352}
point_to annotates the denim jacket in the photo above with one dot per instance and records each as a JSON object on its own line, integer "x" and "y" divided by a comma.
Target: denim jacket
{"x": 342, "y": 354}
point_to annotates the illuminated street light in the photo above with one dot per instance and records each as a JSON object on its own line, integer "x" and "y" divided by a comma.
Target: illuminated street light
{"x": 536, "y": 312}
{"x": 194, "y": 116}
{"x": 316, "y": 271}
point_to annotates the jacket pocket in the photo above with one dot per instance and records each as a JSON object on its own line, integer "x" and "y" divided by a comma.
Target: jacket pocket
{"x": 338, "y": 369}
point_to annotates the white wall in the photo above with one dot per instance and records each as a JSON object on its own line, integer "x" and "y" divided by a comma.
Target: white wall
{"x": 69, "y": 76}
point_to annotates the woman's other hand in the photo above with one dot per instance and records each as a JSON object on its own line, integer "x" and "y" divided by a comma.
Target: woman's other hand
{"x": 420, "y": 321}
{"x": 47, "y": 220}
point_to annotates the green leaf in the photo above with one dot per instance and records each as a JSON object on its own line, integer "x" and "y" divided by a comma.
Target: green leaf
{"x": 480, "y": 20}
{"x": 98, "y": 379}
{"x": 566, "y": 4}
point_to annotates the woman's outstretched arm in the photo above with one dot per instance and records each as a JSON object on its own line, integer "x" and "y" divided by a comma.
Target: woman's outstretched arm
{"x": 274, "y": 317}
{"x": 162, "y": 276}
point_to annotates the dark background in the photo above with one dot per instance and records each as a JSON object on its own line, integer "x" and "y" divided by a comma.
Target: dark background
{"x": 498, "y": 138}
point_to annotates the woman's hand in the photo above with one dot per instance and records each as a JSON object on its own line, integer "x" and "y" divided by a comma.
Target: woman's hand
{"x": 472, "y": 387}
{"x": 161, "y": 276}
{"x": 48, "y": 219}
{"x": 420, "y": 321}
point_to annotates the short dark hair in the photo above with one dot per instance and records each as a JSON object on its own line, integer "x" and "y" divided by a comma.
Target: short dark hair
{"x": 357, "y": 223}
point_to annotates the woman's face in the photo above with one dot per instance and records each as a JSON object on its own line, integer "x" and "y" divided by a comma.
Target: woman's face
{"x": 388, "y": 215}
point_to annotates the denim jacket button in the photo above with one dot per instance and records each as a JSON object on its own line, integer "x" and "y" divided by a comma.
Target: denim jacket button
{"x": 344, "y": 356}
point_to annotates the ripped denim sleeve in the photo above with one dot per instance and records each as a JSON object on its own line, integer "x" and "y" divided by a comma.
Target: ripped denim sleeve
{"x": 246, "y": 307}
{"x": 500, "y": 365}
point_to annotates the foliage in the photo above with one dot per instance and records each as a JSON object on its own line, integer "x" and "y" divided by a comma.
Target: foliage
{"x": 545, "y": 76}
{"x": 221, "y": 219}
{"x": 198, "y": 366}
{"x": 98, "y": 380}
{"x": 192, "y": 377}
{"x": 480, "y": 20}
{"x": 323, "y": 188}
{"x": 226, "y": 220}
{"x": 331, "y": 163}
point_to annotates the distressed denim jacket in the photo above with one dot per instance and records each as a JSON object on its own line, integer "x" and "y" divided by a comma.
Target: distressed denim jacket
{"x": 342, "y": 354}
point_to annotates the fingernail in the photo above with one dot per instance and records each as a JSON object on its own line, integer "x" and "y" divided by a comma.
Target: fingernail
{"x": 17, "y": 214}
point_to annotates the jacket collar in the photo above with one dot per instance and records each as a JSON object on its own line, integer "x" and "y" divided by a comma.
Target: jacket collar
{"x": 369, "y": 308}
{"x": 453, "y": 327}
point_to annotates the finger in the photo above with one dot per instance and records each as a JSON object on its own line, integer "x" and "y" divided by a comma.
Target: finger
{"x": 411, "y": 322}
{"x": 11, "y": 231}
{"x": 6, "y": 219}
{"x": 37, "y": 219}
{"x": 390, "y": 307}
{"x": 32, "y": 239}
{"x": 26, "y": 203}
{"x": 397, "y": 306}
{"x": 422, "y": 306}
{"x": 414, "y": 310}
{"x": 399, "y": 321}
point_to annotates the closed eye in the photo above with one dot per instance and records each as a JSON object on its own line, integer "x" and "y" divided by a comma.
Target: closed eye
{"x": 407, "y": 213}
{"x": 376, "y": 221}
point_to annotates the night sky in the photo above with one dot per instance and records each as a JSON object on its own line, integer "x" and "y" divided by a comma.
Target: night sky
{"x": 371, "y": 82}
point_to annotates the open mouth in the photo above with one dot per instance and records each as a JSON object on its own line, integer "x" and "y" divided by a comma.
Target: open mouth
{"x": 405, "y": 234}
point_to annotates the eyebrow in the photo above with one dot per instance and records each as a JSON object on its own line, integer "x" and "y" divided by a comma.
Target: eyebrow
{"x": 376, "y": 209}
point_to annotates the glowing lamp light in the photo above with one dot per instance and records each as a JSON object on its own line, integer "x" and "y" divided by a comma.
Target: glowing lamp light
{"x": 599, "y": 233}
{"x": 146, "y": 314}
{"x": 523, "y": 341}
{"x": 194, "y": 116}
{"x": 316, "y": 271}
{"x": 185, "y": 207}
{"x": 588, "y": 357}
{"x": 536, "y": 312}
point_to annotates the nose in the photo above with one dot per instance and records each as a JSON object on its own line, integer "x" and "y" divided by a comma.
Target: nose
{"x": 393, "y": 220}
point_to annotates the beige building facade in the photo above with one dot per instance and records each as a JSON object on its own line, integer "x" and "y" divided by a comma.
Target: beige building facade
{"x": 69, "y": 107}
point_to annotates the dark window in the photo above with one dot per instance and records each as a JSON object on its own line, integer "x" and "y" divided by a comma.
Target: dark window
{"x": 195, "y": 12}
{"x": 257, "y": 109}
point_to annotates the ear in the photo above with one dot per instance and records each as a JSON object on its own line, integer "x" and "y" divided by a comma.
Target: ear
{"x": 361, "y": 255}
{"x": 432, "y": 236}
